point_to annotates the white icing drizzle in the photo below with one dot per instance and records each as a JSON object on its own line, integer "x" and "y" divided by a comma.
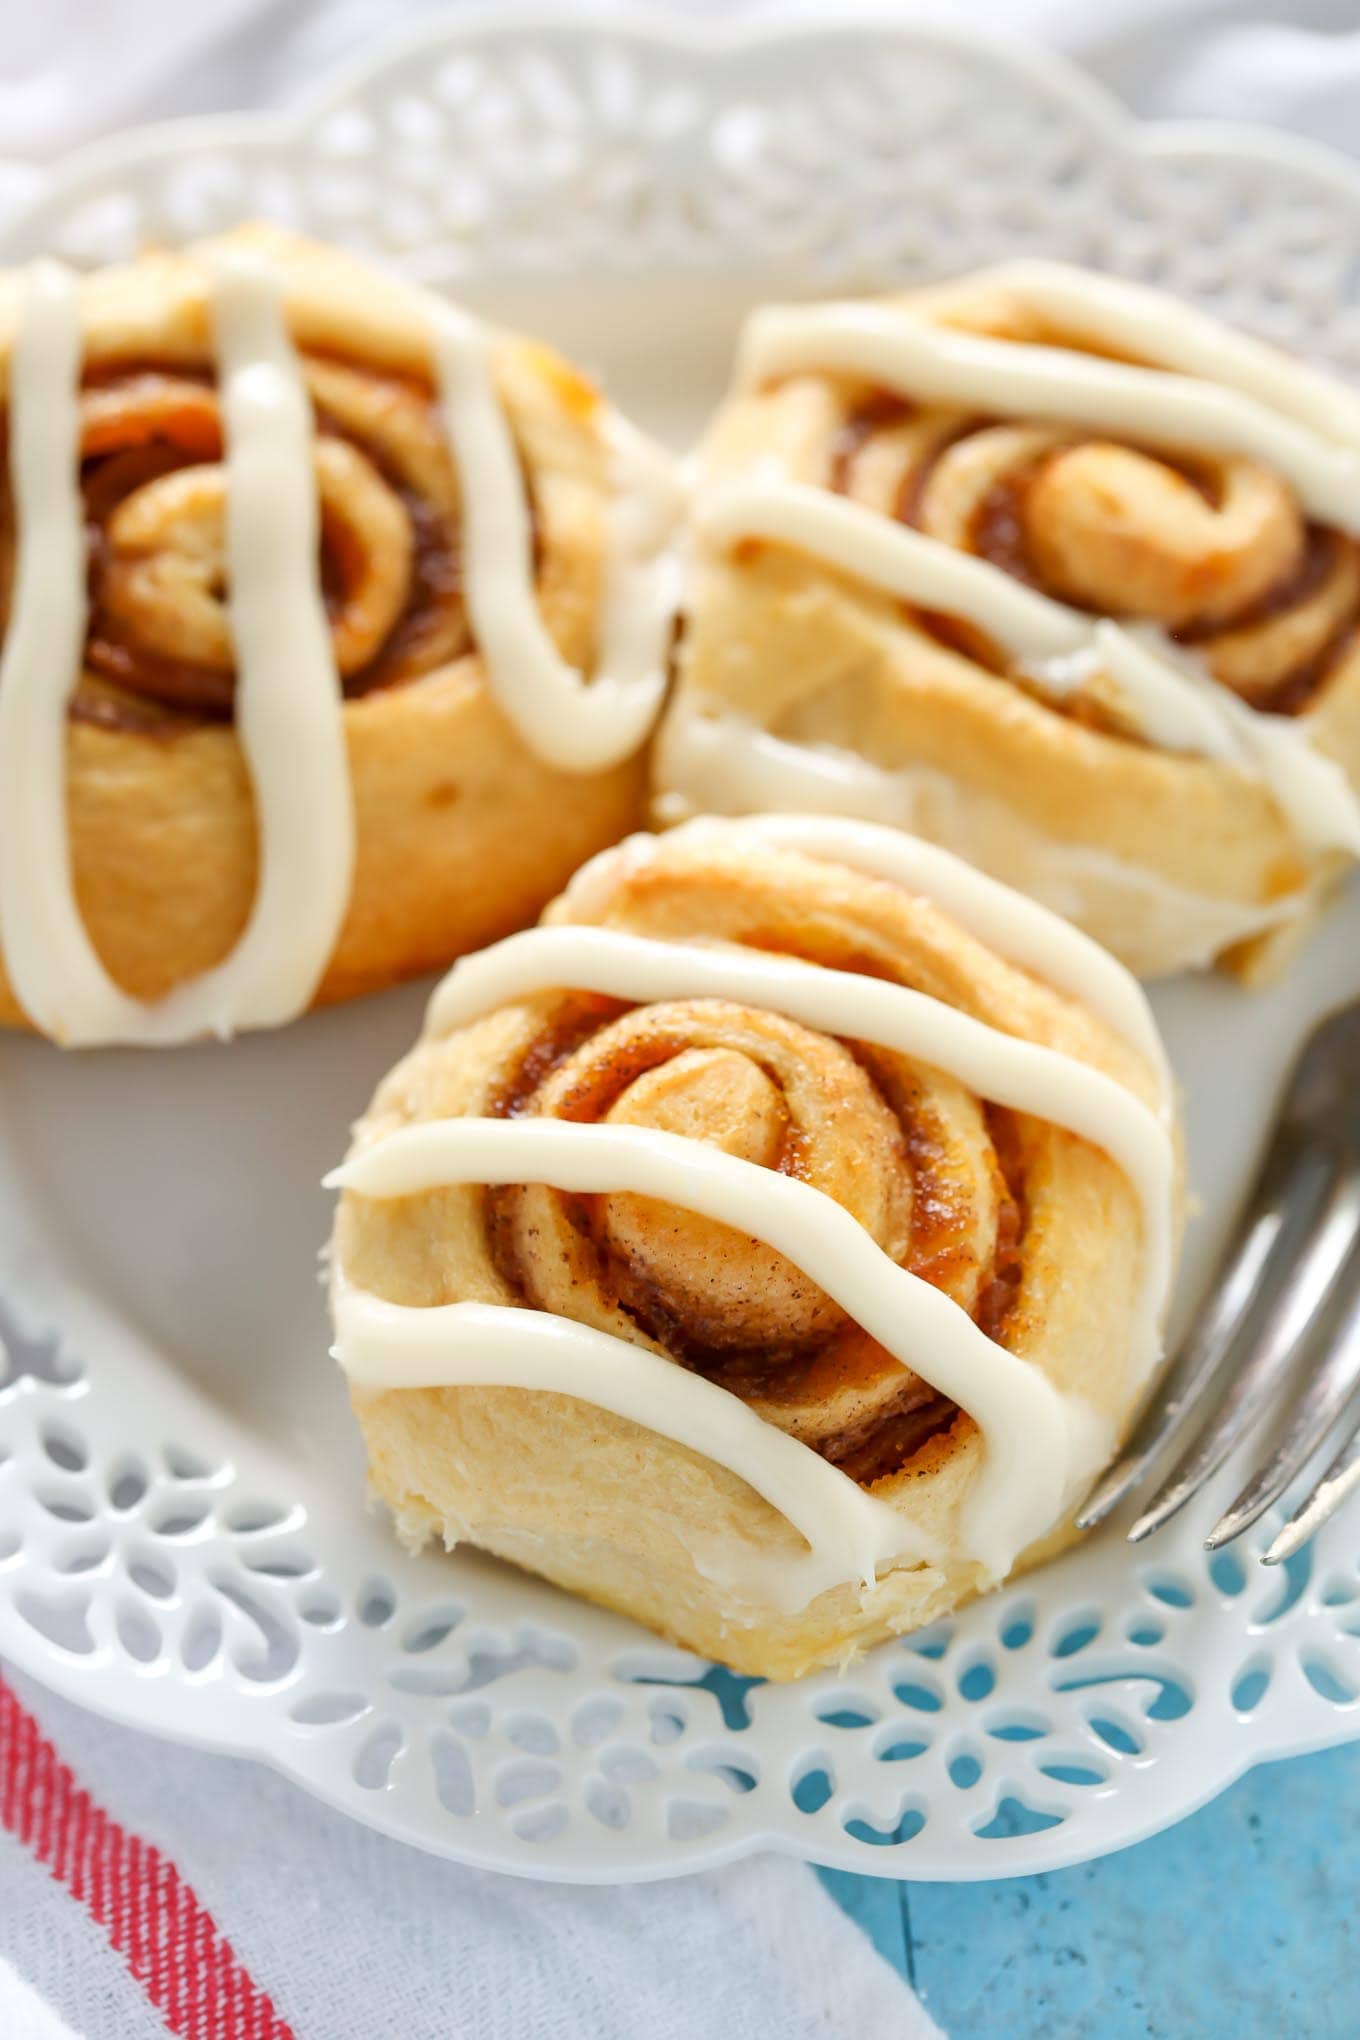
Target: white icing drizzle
{"x": 1001, "y": 1067}
{"x": 1167, "y": 696}
{"x": 1018, "y": 929}
{"x": 712, "y": 761}
{"x": 1036, "y": 1444}
{"x": 574, "y": 724}
{"x": 288, "y": 696}
{"x": 849, "y": 1532}
{"x": 48, "y": 955}
{"x": 645, "y": 568}
{"x": 1039, "y": 1446}
{"x": 1133, "y": 319}
{"x": 895, "y": 348}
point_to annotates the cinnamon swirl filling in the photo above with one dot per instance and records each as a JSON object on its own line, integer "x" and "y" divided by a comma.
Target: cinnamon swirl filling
{"x": 797, "y": 1263}
{"x": 935, "y": 1175}
{"x": 159, "y": 648}
{"x": 1215, "y": 550}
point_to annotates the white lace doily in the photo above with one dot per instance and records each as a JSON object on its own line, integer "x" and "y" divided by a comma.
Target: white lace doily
{"x": 181, "y": 1538}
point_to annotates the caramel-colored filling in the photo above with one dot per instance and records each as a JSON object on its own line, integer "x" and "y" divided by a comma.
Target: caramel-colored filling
{"x": 934, "y": 1177}
{"x": 158, "y": 654}
{"x": 1215, "y": 550}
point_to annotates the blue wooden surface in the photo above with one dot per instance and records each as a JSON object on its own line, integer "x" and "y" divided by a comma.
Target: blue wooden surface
{"x": 1242, "y": 1921}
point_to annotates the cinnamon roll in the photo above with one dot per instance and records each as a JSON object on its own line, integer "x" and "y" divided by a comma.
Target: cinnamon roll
{"x": 334, "y": 626}
{"x": 1055, "y": 572}
{"x": 771, "y": 1245}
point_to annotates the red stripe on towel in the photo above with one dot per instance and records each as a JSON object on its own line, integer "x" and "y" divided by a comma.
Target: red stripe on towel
{"x": 172, "y": 1946}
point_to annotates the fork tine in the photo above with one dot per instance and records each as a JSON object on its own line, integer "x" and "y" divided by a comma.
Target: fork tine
{"x": 1322, "y": 1402}
{"x": 1338, "y": 1483}
{"x": 1287, "y": 1185}
{"x": 1301, "y": 1274}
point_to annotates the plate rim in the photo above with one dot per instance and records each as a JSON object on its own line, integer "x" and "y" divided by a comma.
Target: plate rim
{"x": 709, "y": 42}
{"x": 705, "y": 40}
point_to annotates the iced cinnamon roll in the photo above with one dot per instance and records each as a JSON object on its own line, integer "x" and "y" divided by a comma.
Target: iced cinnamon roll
{"x": 334, "y": 626}
{"x": 771, "y": 1245}
{"x": 1055, "y": 572}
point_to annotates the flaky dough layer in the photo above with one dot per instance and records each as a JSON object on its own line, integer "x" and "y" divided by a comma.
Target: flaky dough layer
{"x": 1010, "y": 1215}
{"x": 1169, "y": 859}
{"x": 462, "y": 833}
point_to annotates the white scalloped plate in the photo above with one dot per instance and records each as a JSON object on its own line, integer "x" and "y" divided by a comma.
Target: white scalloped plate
{"x": 182, "y": 1539}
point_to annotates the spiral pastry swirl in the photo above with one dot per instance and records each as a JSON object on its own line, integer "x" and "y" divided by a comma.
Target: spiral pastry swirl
{"x": 154, "y": 485}
{"x": 1141, "y": 699}
{"x": 1215, "y": 551}
{"x": 155, "y": 499}
{"x": 1032, "y": 1234}
{"x": 482, "y": 521}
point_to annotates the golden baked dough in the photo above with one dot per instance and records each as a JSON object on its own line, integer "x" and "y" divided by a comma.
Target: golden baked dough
{"x": 1033, "y": 1233}
{"x": 462, "y": 832}
{"x": 1168, "y": 856}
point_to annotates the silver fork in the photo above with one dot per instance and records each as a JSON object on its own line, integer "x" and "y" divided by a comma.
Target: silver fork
{"x": 1288, "y": 1291}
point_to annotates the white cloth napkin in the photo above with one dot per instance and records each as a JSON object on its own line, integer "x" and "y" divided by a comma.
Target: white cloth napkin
{"x": 354, "y": 1937}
